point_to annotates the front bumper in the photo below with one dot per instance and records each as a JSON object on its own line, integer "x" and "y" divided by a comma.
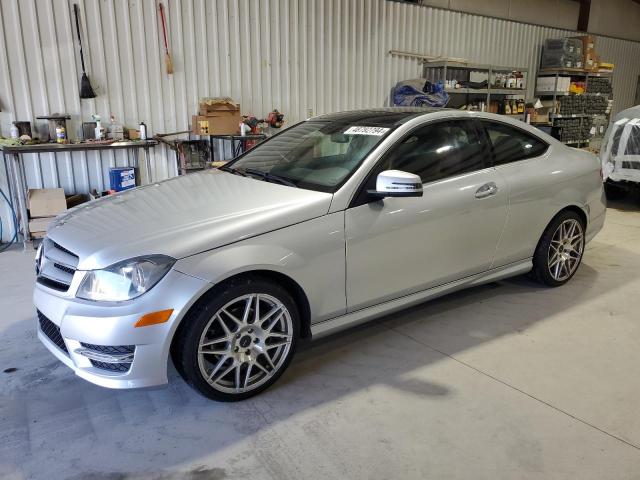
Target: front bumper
{"x": 91, "y": 323}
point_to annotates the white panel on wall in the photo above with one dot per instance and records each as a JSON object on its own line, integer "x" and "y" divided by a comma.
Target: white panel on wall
{"x": 302, "y": 57}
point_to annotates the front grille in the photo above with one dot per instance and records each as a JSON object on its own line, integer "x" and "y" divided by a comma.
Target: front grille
{"x": 52, "y": 331}
{"x": 48, "y": 282}
{"x": 119, "y": 367}
{"x": 64, "y": 268}
{"x": 60, "y": 247}
{"x": 110, "y": 349}
{"x": 112, "y": 367}
{"x": 57, "y": 266}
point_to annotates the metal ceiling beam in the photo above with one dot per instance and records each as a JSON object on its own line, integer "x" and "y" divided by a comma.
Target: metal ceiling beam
{"x": 583, "y": 16}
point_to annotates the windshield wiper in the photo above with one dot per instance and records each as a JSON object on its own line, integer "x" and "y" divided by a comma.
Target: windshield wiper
{"x": 235, "y": 171}
{"x": 266, "y": 176}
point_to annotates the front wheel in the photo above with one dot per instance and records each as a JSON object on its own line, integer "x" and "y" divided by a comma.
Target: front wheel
{"x": 240, "y": 342}
{"x": 560, "y": 250}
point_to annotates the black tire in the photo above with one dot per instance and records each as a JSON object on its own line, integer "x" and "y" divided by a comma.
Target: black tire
{"x": 186, "y": 344}
{"x": 542, "y": 272}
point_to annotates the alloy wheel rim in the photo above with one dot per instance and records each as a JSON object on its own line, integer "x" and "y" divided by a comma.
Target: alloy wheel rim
{"x": 565, "y": 250}
{"x": 245, "y": 343}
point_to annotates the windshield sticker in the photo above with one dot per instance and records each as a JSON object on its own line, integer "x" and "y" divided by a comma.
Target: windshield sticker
{"x": 377, "y": 131}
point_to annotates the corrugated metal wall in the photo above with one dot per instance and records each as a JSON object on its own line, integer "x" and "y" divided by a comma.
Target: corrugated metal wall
{"x": 303, "y": 57}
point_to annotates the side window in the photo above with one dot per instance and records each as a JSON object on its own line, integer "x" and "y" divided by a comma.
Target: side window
{"x": 615, "y": 146}
{"x": 510, "y": 144}
{"x": 633, "y": 142}
{"x": 437, "y": 151}
{"x": 434, "y": 151}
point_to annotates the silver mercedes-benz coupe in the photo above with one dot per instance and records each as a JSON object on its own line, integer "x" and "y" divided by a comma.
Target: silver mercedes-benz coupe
{"x": 334, "y": 221}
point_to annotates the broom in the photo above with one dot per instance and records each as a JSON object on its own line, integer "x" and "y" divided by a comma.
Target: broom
{"x": 167, "y": 55}
{"x": 86, "y": 91}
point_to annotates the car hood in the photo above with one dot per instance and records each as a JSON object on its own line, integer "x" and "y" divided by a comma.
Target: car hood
{"x": 181, "y": 216}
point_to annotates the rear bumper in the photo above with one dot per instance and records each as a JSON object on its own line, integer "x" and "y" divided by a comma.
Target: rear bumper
{"x": 597, "y": 215}
{"x": 92, "y": 323}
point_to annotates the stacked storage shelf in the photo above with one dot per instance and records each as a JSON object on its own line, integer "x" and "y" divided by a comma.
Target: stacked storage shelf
{"x": 562, "y": 53}
{"x": 481, "y": 87}
{"x": 578, "y": 103}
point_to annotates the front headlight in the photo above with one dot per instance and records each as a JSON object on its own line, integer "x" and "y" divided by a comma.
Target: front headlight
{"x": 124, "y": 280}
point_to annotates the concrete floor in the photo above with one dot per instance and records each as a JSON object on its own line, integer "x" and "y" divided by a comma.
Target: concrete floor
{"x": 508, "y": 380}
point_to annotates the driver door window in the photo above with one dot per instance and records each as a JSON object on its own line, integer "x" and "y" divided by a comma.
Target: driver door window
{"x": 433, "y": 152}
{"x": 438, "y": 151}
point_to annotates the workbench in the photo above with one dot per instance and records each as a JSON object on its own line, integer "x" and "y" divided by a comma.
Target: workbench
{"x": 16, "y": 178}
{"x": 238, "y": 142}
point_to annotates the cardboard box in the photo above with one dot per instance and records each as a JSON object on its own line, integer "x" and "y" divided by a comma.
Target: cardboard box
{"x": 589, "y": 57}
{"x": 46, "y": 202}
{"x": 38, "y": 226}
{"x": 226, "y": 124}
{"x": 540, "y": 117}
{"x": 134, "y": 134}
{"x": 591, "y": 62}
{"x": 588, "y": 42}
{"x": 218, "y": 108}
{"x": 217, "y": 117}
{"x": 546, "y": 84}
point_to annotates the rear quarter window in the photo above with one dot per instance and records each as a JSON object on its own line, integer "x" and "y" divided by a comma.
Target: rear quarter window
{"x": 510, "y": 144}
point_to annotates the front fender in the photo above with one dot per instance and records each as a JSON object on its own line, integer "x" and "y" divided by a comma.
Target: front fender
{"x": 217, "y": 265}
{"x": 310, "y": 253}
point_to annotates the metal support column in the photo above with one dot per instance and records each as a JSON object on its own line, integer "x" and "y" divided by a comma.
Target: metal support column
{"x": 147, "y": 165}
{"x": 21, "y": 201}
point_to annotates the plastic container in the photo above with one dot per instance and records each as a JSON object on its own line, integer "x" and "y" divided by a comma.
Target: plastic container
{"x": 116, "y": 131}
{"x": 558, "y": 59}
{"x": 61, "y": 134}
{"x": 562, "y": 53}
{"x": 566, "y": 45}
{"x": 100, "y": 131}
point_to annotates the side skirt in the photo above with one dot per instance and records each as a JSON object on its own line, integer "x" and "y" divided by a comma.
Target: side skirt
{"x": 333, "y": 325}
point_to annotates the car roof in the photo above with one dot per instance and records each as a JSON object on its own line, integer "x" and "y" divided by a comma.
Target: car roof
{"x": 379, "y": 117}
{"x": 396, "y": 116}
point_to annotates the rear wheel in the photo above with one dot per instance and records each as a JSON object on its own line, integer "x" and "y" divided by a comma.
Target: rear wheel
{"x": 560, "y": 250}
{"x": 240, "y": 342}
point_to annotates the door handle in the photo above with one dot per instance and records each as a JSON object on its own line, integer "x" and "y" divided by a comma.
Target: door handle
{"x": 487, "y": 190}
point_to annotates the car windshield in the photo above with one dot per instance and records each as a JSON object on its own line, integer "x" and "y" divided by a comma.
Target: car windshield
{"x": 316, "y": 155}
